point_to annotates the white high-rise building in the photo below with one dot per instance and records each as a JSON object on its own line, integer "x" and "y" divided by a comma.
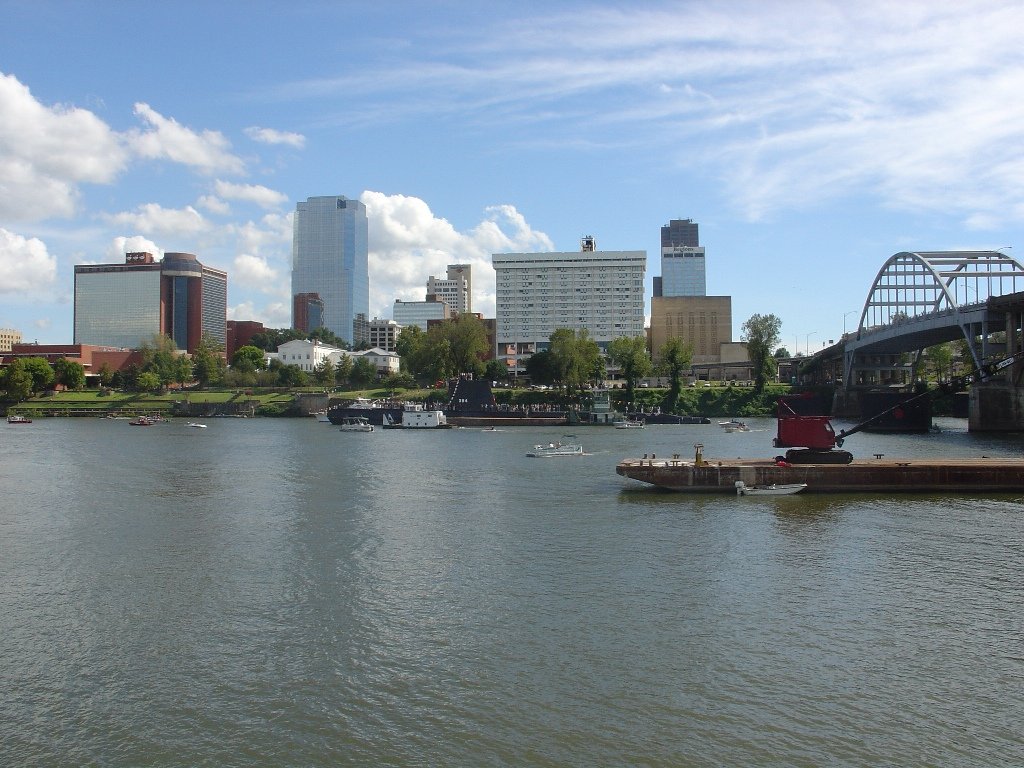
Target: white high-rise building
{"x": 456, "y": 291}
{"x": 538, "y": 293}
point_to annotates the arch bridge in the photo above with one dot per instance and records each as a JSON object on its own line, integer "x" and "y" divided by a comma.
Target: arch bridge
{"x": 922, "y": 298}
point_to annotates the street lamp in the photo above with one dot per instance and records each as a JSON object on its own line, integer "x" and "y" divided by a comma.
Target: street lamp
{"x": 844, "y": 319}
{"x": 807, "y": 342}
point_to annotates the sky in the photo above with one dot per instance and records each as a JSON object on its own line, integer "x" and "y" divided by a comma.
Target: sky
{"x": 810, "y": 141}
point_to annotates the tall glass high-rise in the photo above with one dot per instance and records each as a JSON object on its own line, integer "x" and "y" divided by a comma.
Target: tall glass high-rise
{"x": 329, "y": 258}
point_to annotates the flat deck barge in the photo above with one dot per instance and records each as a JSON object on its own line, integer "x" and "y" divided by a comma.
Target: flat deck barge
{"x": 861, "y": 475}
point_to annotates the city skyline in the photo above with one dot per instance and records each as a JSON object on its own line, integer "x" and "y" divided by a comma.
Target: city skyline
{"x": 810, "y": 142}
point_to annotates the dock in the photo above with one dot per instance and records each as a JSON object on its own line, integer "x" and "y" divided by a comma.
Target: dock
{"x": 875, "y": 475}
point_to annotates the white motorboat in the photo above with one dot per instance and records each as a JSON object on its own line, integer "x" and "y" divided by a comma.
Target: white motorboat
{"x": 14, "y": 418}
{"x": 781, "y": 489}
{"x": 356, "y": 424}
{"x": 195, "y": 425}
{"x": 556, "y": 449}
{"x": 629, "y": 424}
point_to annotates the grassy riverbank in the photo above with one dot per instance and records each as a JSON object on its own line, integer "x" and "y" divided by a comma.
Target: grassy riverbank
{"x": 703, "y": 401}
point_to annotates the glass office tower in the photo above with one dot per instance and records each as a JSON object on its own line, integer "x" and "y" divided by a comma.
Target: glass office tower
{"x": 329, "y": 258}
{"x": 682, "y": 261}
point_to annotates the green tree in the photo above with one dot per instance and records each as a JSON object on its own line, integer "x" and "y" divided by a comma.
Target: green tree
{"x": 17, "y": 381}
{"x": 363, "y": 373}
{"x": 675, "y": 358}
{"x": 160, "y": 355}
{"x": 343, "y": 370}
{"x": 577, "y": 358}
{"x": 208, "y": 366}
{"x": 327, "y": 336}
{"x": 781, "y": 352}
{"x": 126, "y": 378}
{"x": 248, "y": 359}
{"x": 292, "y": 376}
{"x": 69, "y": 373}
{"x": 148, "y": 381}
{"x": 940, "y": 361}
{"x": 41, "y": 372}
{"x": 106, "y": 374}
{"x": 761, "y": 333}
{"x": 629, "y": 354}
{"x": 495, "y": 370}
{"x": 467, "y": 343}
{"x": 271, "y": 338}
{"x": 323, "y": 374}
{"x": 542, "y": 368}
{"x": 411, "y": 349}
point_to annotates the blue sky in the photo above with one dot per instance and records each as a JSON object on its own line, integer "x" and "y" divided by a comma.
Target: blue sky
{"x": 810, "y": 141}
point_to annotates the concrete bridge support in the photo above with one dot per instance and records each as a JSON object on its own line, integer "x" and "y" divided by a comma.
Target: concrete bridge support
{"x": 996, "y": 407}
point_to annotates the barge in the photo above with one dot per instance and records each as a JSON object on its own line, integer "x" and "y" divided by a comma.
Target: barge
{"x": 876, "y": 475}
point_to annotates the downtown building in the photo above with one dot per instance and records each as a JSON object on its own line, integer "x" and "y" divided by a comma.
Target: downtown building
{"x": 680, "y": 306}
{"x": 536, "y": 294}
{"x": 455, "y": 290}
{"x": 330, "y": 259}
{"x": 419, "y": 313}
{"x": 126, "y": 305}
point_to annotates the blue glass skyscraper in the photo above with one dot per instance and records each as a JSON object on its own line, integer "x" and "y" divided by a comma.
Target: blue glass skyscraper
{"x": 329, "y": 258}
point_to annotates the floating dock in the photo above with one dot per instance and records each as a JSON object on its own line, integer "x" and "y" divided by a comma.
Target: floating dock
{"x": 878, "y": 475}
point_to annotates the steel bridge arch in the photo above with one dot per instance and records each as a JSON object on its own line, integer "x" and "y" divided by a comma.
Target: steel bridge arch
{"x": 914, "y": 285}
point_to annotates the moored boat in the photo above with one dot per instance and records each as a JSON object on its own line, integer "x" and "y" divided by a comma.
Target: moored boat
{"x": 141, "y": 421}
{"x": 415, "y": 416}
{"x": 15, "y": 418}
{"x": 773, "y": 489}
{"x": 628, "y": 424}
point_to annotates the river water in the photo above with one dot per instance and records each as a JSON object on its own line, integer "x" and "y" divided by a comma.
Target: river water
{"x": 274, "y": 592}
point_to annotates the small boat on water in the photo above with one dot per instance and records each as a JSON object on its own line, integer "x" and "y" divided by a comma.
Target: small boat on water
{"x": 196, "y": 425}
{"x": 356, "y": 424}
{"x": 784, "y": 489}
{"x": 14, "y": 418}
{"x": 629, "y": 424}
{"x": 556, "y": 449}
{"x": 415, "y": 416}
{"x": 141, "y": 421}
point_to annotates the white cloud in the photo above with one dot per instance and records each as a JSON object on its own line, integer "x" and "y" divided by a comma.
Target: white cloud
{"x": 251, "y": 193}
{"x": 254, "y": 272}
{"x": 272, "y": 234}
{"x": 207, "y": 151}
{"x": 46, "y": 152}
{"x": 408, "y": 244}
{"x": 271, "y": 136}
{"x": 135, "y": 244}
{"x": 787, "y": 105}
{"x": 214, "y": 205}
{"x": 153, "y": 218}
{"x": 25, "y": 265}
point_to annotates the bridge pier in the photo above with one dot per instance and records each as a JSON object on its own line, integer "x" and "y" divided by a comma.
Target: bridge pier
{"x": 996, "y": 407}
